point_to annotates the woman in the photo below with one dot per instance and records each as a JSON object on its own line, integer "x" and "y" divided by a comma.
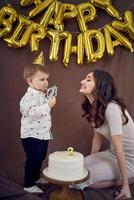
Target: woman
{"x": 108, "y": 116}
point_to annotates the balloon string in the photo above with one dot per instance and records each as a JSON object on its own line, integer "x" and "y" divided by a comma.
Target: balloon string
{"x": 6, "y": 2}
{"x": 131, "y": 6}
{"x": 75, "y": 32}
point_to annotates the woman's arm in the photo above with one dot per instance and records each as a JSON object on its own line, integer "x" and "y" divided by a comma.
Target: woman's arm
{"x": 118, "y": 146}
{"x": 96, "y": 143}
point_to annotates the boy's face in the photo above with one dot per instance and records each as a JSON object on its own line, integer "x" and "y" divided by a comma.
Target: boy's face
{"x": 39, "y": 81}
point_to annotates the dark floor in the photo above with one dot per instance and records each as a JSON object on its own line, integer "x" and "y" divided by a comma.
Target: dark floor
{"x": 9, "y": 190}
{"x": 88, "y": 194}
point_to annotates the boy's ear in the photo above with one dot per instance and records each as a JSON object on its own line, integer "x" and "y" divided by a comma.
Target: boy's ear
{"x": 29, "y": 80}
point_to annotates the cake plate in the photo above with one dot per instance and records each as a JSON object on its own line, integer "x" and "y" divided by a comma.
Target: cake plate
{"x": 66, "y": 193}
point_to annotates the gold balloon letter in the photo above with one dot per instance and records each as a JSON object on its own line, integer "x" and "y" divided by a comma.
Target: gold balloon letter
{"x": 8, "y": 15}
{"x": 40, "y": 7}
{"x": 55, "y": 37}
{"x": 27, "y": 2}
{"x": 126, "y": 26}
{"x": 83, "y": 19}
{"x": 15, "y": 39}
{"x": 106, "y": 5}
{"x": 119, "y": 40}
{"x": 91, "y": 54}
{"x": 51, "y": 12}
{"x": 38, "y": 33}
{"x": 80, "y": 49}
{"x": 65, "y": 11}
{"x": 69, "y": 49}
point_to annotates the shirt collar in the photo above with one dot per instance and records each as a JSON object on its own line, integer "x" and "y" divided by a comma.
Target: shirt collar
{"x": 33, "y": 90}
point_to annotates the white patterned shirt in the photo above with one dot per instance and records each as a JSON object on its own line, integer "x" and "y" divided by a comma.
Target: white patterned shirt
{"x": 36, "y": 117}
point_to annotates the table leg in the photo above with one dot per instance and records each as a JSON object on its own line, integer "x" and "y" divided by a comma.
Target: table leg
{"x": 66, "y": 193}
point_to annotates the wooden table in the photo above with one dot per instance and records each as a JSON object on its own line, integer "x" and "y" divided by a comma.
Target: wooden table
{"x": 66, "y": 193}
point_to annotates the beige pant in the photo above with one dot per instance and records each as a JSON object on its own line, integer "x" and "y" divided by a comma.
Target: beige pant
{"x": 103, "y": 166}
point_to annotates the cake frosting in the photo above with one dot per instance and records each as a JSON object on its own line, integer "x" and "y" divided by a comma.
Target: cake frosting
{"x": 64, "y": 165}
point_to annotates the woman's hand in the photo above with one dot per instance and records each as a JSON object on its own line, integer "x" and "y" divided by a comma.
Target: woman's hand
{"x": 123, "y": 193}
{"x": 118, "y": 146}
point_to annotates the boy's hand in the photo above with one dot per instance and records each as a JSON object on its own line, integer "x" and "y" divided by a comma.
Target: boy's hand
{"x": 51, "y": 102}
{"x": 50, "y": 92}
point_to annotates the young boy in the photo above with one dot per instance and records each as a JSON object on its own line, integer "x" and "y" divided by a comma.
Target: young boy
{"x": 35, "y": 123}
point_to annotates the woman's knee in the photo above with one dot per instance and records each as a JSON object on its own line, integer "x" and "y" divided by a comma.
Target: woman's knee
{"x": 103, "y": 184}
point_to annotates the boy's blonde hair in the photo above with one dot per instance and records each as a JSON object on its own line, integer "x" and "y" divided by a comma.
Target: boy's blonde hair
{"x": 30, "y": 70}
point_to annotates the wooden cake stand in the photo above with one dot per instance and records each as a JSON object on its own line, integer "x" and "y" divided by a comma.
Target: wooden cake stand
{"x": 66, "y": 193}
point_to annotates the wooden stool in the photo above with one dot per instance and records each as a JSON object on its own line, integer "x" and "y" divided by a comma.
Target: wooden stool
{"x": 66, "y": 193}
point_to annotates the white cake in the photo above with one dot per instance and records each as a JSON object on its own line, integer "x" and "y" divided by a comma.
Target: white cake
{"x": 65, "y": 166}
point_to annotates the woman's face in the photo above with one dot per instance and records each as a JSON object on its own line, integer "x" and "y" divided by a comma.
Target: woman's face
{"x": 87, "y": 85}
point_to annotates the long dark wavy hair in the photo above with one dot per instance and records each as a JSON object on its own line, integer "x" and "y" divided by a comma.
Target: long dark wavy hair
{"x": 105, "y": 92}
